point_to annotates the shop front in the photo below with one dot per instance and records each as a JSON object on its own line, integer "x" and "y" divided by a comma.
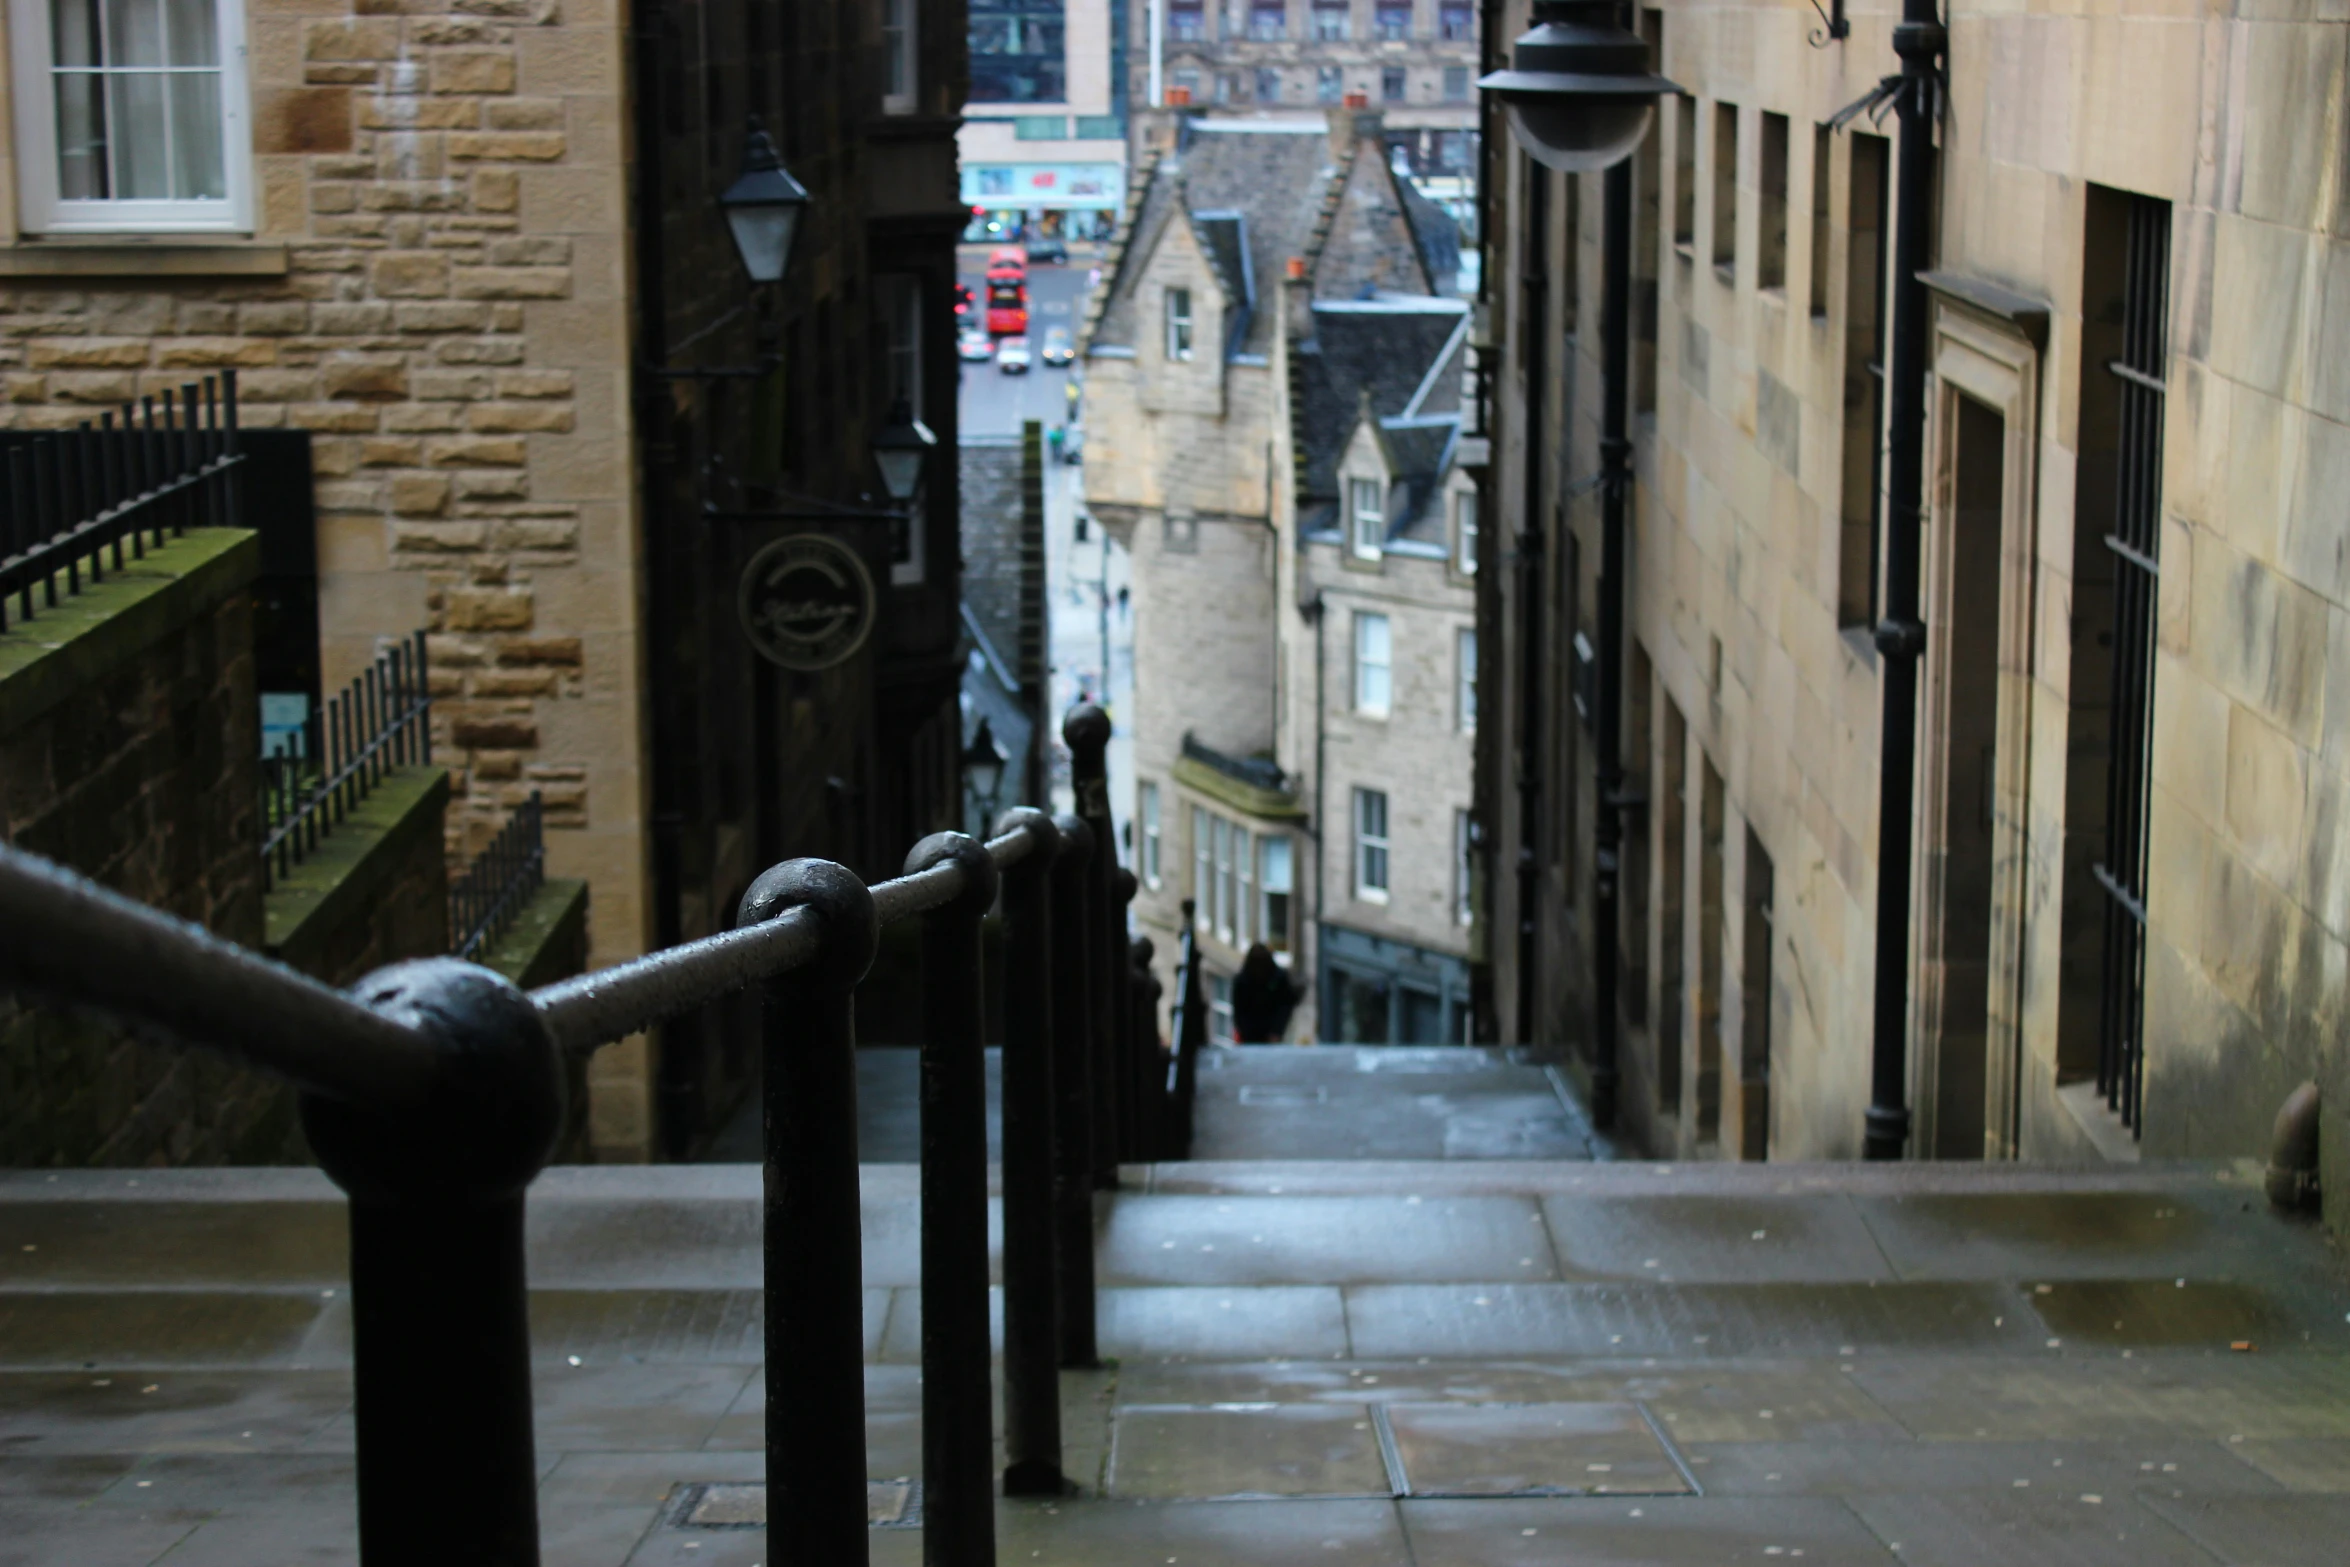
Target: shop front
{"x": 1020, "y": 201}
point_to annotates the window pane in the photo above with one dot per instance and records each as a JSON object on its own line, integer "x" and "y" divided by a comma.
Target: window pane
{"x": 73, "y": 32}
{"x": 134, "y": 32}
{"x": 192, "y": 32}
{"x": 81, "y": 138}
{"x": 198, "y": 169}
{"x": 1274, "y": 856}
{"x": 142, "y": 164}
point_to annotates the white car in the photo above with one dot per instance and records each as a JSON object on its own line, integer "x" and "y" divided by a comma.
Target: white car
{"x": 1011, "y": 356}
{"x": 975, "y": 344}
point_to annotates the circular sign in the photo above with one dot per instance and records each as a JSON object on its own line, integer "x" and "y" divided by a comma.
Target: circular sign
{"x": 806, "y": 602}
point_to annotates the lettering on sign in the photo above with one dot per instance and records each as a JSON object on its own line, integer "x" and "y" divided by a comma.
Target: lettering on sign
{"x": 807, "y": 602}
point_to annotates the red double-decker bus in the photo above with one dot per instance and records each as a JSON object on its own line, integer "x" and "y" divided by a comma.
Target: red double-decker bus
{"x": 1007, "y": 292}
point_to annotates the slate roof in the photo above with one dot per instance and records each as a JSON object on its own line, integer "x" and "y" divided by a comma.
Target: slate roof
{"x": 991, "y": 541}
{"x": 1263, "y": 181}
{"x": 1437, "y": 234}
{"x": 1387, "y": 348}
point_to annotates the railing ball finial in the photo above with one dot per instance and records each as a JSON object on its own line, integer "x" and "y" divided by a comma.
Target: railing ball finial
{"x": 490, "y": 1122}
{"x": 1076, "y": 836}
{"x": 1086, "y": 728}
{"x": 1035, "y": 823}
{"x": 841, "y": 900}
{"x": 1123, "y": 886}
{"x": 1144, "y": 950}
{"x": 980, "y": 877}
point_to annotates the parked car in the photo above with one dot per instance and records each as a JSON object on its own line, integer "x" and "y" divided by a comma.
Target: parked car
{"x": 1052, "y": 250}
{"x": 974, "y": 343}
{"x": 1058, "y": 350}
{"x": 1011, "y": 356}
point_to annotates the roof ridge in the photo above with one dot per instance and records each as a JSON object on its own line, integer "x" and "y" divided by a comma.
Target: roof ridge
{"x": 1114, "y": 260}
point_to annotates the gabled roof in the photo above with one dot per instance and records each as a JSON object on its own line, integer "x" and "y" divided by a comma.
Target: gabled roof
{"x": 1394, "y": 351}
{"x": 1252, "y": 190}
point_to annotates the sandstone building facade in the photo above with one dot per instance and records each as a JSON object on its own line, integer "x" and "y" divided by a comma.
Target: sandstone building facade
{"x": 2136, "y": 303}
{"x": 469, "y": 254}
{"x": 1273, "y": 406}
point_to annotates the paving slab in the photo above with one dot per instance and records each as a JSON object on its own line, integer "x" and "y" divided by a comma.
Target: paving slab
{"x": 1234, "y": 1323}
{"x": 1559, "y": 1449}
{"x": 2308, "y": 1464}
{"x": 1364, "y": 1533}
{"x": 1657, "y": 1531}
{"x": 2081, "y": 1529}
{"x": 1322, "y": 1240}
{"x": 1239, "y": 1451}
{"x": 1714, "y": 1240}
{"x": 2156, "y": 1466}
{"x": 2283, "y": 1531}
{"x": 1384, "y": 1102}
{"x": 2233, "y": 1398}
{"x": 116, "y": 1410}
{"x": 2199, "y": 1233}
{"x": 1598, "y": 1319}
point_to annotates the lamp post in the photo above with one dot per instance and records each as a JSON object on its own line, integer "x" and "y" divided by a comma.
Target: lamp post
{"x": 763, "y": 208}
{"x": 1580, "y": 97}
{"x": 983, "y": 769}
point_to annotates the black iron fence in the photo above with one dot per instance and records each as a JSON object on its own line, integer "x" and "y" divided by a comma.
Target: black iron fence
{"x": 432, "y": 1094}
{"x": 80, "y": 503}
{"x": 500, "y": 882}
{"x": 382, "y": 720}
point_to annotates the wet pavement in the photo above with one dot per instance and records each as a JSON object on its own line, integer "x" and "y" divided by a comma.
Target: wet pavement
{"x": 1417, "y": 1359}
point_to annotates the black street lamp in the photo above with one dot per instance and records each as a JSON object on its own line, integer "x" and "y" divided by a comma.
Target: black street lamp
{"x": 1580, "y": 97}
{"x": 763, "y": 208}
{"x": 1578, "y": 89}
{"x": 902, "y": 452}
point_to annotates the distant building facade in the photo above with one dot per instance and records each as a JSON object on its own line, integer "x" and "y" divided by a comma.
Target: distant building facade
{"x": 1273, "y": 400}
{"x": 1043, "y": 142}
{"x": 2129, "y": 773}
{"x": 1415, "y": 61}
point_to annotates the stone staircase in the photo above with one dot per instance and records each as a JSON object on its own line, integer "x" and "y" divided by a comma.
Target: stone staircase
{"x": 1429, "y": 1359}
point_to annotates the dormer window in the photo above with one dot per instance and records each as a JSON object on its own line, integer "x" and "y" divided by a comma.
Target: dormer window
{"x": 1179, "y": 323}
{"x": 1367, "y": 505}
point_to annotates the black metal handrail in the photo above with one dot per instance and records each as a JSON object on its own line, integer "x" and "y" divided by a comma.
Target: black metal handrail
{"x": 74, "y": 499}
{"x": 432, "y": 1094}
{"x": 380, "y": 721}
{"x": 500, "y": 882}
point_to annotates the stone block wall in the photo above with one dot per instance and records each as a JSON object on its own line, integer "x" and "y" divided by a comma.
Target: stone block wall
{"x": 128, "y": 733}
{"x": 435, "y": 289}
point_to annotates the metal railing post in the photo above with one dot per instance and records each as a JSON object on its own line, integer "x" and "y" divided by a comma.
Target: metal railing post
{"x": 1129, "y": 1079}
{"x": 1154, "y": 1120}
{"x": 1087, "y": 732}
{"x": 1032, "y": 1378}
{"x": 1192, "y": 1033}
{"x": 814, "y": 1255}
{"x": 440, "y": 1306}
{"x": 958, "y": 1434}
{"x": 1074, "y": 938}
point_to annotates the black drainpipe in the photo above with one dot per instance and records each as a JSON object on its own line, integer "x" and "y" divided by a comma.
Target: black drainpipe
{"x": 656, "y": 460}
{"x": 1326, "y": 1011}
{"x": 1615, "y": 467}
{"x": 1535, "y": 284}
{"x": 1901, "y": 636}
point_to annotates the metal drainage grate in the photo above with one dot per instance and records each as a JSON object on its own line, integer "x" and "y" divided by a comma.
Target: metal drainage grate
{"x": 1282, "y": 1094}
{"x": 889, "y": 1504}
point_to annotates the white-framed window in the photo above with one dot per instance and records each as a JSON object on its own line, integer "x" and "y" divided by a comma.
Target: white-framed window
{"x": 899, "y": 297}
{"x": 1371, "y": 845}
{"x": 1330, "y": 19}
{"x": 1464, "y": 532}
{"x": 1146, "y": 806}
{"x": 901, "y": 68}
{"x": 1244, "y": 892}
{"x": 1179, "y": 323}
{"x": 1464, "y": 653}
{"x": 1463, "y": 840}
{"x": 1366, "y": 505}
{"x": 1374, "y": 666}
{"x": 131, "y": 116}
{"x": 1274, "y": 883}
{"x": 1203, "y": 872}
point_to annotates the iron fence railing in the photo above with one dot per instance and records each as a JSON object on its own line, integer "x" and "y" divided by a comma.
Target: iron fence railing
{"x": 82, "y": 502}
{"x": 500, "y": 882}
{"x": 382, "y": 720}
{"x": 432, "y": 1094}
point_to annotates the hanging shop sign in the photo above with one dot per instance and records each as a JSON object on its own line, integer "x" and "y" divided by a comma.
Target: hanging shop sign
{"x": 807, "y": 602}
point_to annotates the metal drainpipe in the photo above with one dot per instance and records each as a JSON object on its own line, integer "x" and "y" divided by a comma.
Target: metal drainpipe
{"x": 656, "y": 456}
{"x": 1615, "y": 458}
{"x": 1901, "y": 636}
{"x": 1319, "y": 609}
{"x": 1529, "y": 553}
